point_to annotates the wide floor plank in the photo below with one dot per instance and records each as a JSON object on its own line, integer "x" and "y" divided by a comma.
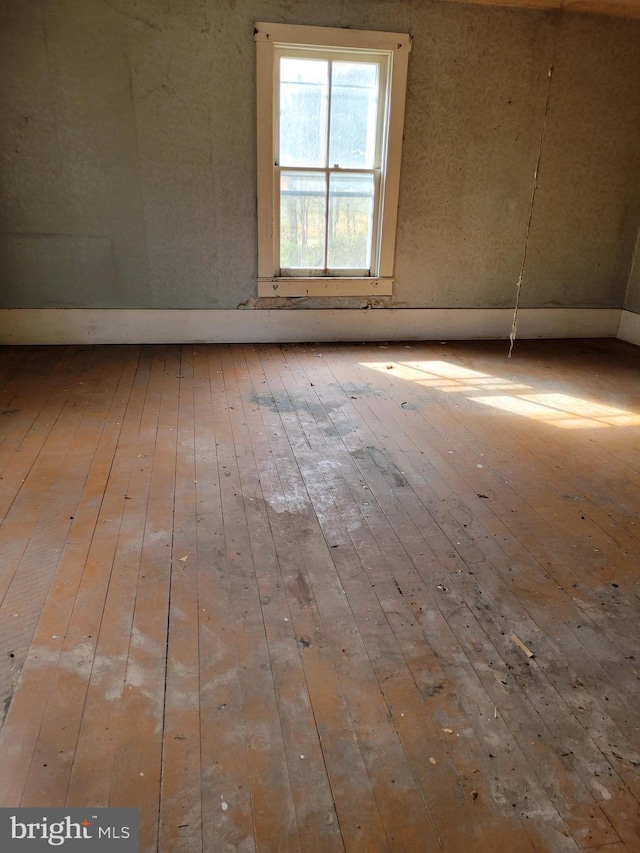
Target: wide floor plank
{"x": 328, "y": 598}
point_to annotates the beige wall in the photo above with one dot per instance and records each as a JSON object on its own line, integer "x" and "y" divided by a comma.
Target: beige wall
{"x": 128, "y": 169}
{"x": 632, "y": 300}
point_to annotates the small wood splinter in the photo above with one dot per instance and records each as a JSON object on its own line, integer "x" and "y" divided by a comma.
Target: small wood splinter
{"x": 524, "y": 648}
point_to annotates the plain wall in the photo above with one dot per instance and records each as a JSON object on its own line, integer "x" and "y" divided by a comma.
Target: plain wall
{"x": 128, "y": 140}
{"x": 632, "y": 300}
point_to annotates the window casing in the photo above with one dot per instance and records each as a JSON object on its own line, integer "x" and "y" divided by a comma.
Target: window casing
{"x": 330, "y": 119}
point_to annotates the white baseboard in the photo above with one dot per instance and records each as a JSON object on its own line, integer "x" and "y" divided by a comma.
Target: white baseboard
{"x": 629, "y": 329}
{"x": 116, "y": 326}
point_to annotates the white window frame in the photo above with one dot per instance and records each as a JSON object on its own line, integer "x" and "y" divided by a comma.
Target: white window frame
{"x": 394, "y": 47}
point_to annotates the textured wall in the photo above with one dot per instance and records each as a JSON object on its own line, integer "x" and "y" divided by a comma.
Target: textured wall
{"x": 476, "y": 102}
{"x": 632, "y": 301}
{"x": 478, "y": 92}
{"x": 586, "y": 217}
{"x": 128, "y": 170}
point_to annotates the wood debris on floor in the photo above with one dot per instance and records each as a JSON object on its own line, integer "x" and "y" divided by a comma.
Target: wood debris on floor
{"x": 287, "y": 603}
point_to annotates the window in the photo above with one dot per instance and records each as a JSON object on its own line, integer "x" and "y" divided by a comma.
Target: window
{"x": 330, "y": 118}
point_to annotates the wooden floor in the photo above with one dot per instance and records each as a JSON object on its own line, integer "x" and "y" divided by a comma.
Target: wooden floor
{"x": 322, "y": 598}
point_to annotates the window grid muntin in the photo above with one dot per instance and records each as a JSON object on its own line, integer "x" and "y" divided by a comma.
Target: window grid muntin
{"x": 368, "y": 56}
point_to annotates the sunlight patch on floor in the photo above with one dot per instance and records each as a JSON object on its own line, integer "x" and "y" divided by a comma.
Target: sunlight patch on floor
{"x": 561, "y": 410}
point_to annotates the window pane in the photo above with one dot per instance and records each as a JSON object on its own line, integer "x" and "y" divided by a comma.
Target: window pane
{"x": 304, "y": 87}
{"x": 354, "y": 112}
{"x": 302, "y": 218}
{"x": 350, "y": 219}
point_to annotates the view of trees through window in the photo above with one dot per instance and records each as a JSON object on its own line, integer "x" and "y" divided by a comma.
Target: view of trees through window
{"x": 328, "y": 156}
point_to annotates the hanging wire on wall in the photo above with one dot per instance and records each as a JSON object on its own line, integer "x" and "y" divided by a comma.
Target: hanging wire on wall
{"x": 514, "y": 324}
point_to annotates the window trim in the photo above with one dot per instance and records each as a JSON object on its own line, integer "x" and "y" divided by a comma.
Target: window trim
{"x": 397, "y": 46}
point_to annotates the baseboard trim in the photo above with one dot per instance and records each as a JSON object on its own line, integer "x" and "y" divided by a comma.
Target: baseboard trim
{"x": 118, "y": 326}
{"x": 629, "y": 329}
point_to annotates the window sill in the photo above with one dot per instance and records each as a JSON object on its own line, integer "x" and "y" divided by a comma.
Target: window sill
{"x": 325, "y": 286}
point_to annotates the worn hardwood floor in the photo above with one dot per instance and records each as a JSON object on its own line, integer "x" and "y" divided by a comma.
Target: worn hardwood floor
{"x": 282, "y": 598}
